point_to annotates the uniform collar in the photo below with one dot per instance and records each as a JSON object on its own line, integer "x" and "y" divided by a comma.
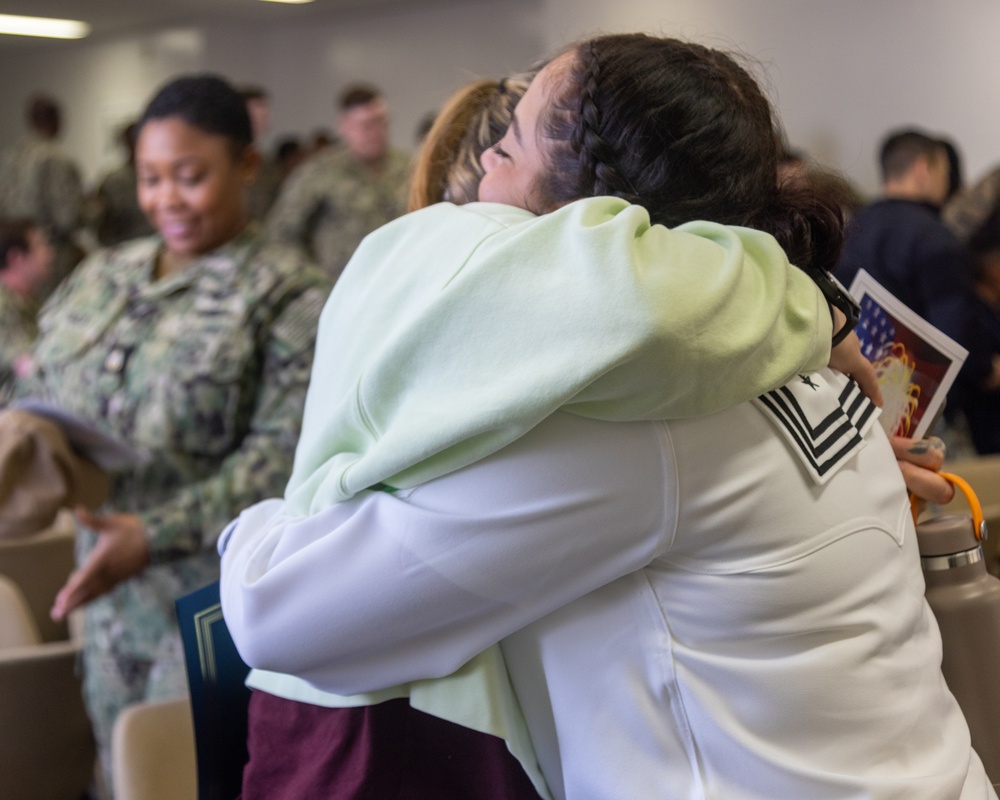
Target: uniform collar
{"x": 223, "y": 264}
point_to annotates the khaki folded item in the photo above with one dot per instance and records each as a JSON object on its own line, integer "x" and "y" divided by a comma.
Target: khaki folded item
{"x": 40, "y": 473}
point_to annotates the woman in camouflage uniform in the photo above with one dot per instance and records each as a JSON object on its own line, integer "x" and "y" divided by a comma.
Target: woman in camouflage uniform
{"x": 194, "y": 347}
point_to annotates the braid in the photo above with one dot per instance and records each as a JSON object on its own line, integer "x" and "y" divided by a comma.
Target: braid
{"x": 598, "y": 167}
{"x": 586, "y": 138}
{"x": 682, "y": 130}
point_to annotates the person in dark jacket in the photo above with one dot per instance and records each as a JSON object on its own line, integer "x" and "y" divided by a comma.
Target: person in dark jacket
{"x": 901, "y": 241}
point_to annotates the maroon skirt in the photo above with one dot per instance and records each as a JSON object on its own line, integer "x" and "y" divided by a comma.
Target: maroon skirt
{"x": 389, "y": 751}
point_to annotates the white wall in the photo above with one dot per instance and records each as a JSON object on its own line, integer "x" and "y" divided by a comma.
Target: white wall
{"x": 418, "y": 58}
{"x": 99, "y": 85}
{"x": 842, "y": 72}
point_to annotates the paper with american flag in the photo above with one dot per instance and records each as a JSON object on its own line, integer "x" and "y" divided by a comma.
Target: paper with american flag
{"x": 916, "y": 363}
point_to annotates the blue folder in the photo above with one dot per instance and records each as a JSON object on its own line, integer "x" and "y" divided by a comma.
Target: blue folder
{"x": 219, "y": 695}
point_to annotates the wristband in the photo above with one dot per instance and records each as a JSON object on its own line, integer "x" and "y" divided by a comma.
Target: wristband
{"x": 837, "y": 296}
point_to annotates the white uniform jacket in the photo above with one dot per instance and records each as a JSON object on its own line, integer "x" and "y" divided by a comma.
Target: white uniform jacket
{"x": 694, "y": 609}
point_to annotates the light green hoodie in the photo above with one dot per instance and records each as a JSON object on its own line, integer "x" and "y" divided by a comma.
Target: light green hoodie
{"x": 457, "y": 329}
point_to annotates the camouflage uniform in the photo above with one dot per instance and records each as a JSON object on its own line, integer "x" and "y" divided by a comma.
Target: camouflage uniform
{"x": 40, "y": 182}
{"x": 120, "y": 218}
{"x": 331, "y": 202}
{"x": 264, "y": 190}
{"x": 204, "y": 372}
{"x": 18, "y": 331}
{"x": 969, "y": 209}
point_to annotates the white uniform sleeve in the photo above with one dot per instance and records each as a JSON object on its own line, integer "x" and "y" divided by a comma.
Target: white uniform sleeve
{"x": 388, "y": 588}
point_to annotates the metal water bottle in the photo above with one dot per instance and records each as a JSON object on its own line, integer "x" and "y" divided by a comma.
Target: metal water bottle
{"x": 965, "y": 598}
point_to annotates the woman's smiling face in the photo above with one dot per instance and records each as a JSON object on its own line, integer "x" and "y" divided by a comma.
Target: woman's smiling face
{"x": 515, "y": 165}
{"x": 191, "y": 185}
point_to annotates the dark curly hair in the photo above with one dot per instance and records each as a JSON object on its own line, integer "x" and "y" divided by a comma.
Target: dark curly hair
{"x": 684, "y": 131}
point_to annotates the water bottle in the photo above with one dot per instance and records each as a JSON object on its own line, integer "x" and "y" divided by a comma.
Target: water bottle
{"x": 965, "y": 598}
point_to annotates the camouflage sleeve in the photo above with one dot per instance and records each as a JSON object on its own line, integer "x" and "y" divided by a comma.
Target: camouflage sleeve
{"x": 193, "y": 519}
{"x": 62, "y": 195}
{"x": 294, "y": 213}
{"x": 968, "y": 210}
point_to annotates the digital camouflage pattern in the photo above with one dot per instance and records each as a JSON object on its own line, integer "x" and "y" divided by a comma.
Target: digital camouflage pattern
{"x": 18, "y": 331}
{"x": 119, "y": 217}
{"x": 332, "y": 201}
{"x": 40, "y": 182}
{"x": 263, "y": 192}
{"x": 204, "y": 373}
{"x": 969, "y": 209}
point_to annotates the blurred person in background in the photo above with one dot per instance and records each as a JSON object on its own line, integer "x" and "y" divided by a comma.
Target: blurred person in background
{"x": 263, "y": 191}
{"x": 956, "y": 176}
{"x": 901, "y": 241}
{"x": 982, "y": 409}
{"x": 39, "y": 181}
{"x": 797, "y": 168}
{"x": 118, "y": 216}
{"x": 25, "y": 267}
{"x": 969, "y": 209}
{"x": 192, "y": 347}
{"x": 288, "y": 154}
{"x": 341, "y": 194}
{"x": 321, "y": 139}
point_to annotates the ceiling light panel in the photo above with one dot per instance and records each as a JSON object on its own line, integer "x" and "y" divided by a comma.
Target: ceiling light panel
{"x": 43, "y": 26}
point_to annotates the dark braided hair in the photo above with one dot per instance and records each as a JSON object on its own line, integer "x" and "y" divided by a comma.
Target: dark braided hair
{"x": 597, "y": 156}
{"x": 684, "y": 131}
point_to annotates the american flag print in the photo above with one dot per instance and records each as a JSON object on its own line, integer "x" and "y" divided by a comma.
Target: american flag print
{"x": 875, "y": 330}
{"x": 882, "y": 335}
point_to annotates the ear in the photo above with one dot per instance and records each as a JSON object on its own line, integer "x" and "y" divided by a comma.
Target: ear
{"x": 921, "y": 168}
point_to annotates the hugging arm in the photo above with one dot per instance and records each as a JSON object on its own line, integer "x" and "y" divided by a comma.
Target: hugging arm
{"x": 387, "y": 588}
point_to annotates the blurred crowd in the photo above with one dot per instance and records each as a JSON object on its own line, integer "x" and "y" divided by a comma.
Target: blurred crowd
{"x": 932, "y": 239}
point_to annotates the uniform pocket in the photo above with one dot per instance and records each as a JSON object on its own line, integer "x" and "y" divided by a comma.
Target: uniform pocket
{"x": 71, "y": 330}
{"x": 199, "y": 378}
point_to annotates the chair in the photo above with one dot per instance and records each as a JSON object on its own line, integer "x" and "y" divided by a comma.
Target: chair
{"x": 39, "y": 565}
{"x": 46, "y": 745}
{"x": 983, "y": 474}
{"x": 152, "y": 752}
{"x": 17, "y": 625}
